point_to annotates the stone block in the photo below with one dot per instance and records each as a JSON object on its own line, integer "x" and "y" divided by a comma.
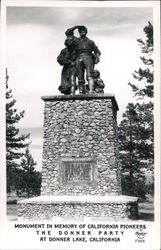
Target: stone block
{"x": 83, "y": 207}
{"x": 80, "y": 173}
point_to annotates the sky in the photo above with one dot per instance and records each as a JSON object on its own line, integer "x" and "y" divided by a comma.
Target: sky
{"x": 35, "y": 37}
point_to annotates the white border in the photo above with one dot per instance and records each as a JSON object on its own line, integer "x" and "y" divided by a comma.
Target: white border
{"x": 154, "y": 227}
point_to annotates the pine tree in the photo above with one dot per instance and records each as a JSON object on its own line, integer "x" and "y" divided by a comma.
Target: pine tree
{"x": 136, "y": 130}
{"x": 136, "y": 148}
{"x": 145, "y": 77}
{"x": 14, "y": 142}
{"x": 29, "y": 178}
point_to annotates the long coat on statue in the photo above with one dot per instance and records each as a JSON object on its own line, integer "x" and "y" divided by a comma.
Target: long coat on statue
{"x": 66, "y": 59}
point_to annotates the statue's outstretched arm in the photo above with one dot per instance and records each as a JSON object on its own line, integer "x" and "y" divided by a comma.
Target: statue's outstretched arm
{"x": 70, "y": 31}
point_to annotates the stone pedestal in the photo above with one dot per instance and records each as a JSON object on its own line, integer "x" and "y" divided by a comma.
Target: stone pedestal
{"x": 79, "y": 207}
{"x": 80, "y": 174}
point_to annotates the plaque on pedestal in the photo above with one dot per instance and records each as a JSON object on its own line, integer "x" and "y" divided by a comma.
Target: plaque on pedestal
{"x": 81, "y": 173}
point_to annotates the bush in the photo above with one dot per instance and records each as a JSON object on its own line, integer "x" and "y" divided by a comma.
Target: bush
{"x": 134, "y": 186}
{"x": 12, "y": 202}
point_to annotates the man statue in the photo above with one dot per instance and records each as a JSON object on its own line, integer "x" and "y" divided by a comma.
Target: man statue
{"x": 66, "y": 59}
{"x": 87, "y": 54}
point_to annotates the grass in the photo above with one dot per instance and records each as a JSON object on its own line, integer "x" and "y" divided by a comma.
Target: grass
{"x": 146, "y": 216}
{"x": 12, "y": 212}
{"x": 146, "y": 210}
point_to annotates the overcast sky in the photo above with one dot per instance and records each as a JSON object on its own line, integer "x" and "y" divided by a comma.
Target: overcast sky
{"x": 35, "y": 37}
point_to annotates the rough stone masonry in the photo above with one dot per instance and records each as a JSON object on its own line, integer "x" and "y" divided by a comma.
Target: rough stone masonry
{"x": 84, "y": 128}
{"x": 80, "y": 175}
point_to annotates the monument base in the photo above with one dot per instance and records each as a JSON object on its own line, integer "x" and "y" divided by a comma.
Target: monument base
{"x": 80, "y": 207}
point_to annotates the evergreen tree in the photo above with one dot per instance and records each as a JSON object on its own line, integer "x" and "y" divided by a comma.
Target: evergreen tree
{"x": 14, "y": 142}
{"x": 144, "y": 86}
{"x": 29, "y": 178}
{"x": 136, "y": 148}
{"x": 136, "y": 137}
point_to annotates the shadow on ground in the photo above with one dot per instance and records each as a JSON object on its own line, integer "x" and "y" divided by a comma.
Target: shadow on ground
{"x": 146, "y": 216}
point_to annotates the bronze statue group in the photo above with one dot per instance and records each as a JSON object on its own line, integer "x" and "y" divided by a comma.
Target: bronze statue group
{"x": 78, "y": 59}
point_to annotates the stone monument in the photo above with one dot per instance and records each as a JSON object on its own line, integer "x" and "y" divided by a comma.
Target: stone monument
{"x": 81, "y": 174}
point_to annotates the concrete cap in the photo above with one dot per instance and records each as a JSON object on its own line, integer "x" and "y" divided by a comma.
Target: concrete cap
{"x": 53, "y": 98}
{"x": 69, "y": 199}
